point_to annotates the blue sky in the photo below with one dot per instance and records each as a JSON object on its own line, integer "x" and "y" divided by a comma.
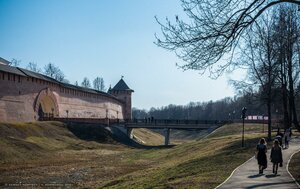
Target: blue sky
{"x": 106, "y": 38}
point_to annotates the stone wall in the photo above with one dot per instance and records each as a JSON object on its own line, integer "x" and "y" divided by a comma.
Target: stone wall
{"x": 125, "y": 96}
{"x": 21, "y": 96}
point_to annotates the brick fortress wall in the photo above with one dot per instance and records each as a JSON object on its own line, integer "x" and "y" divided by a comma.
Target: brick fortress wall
{"x": 21, "y": 97}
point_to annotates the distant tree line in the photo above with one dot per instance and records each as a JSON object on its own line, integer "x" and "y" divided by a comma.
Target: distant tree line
{"x": 228, "y": 108}
{"x": 55, "y": 72}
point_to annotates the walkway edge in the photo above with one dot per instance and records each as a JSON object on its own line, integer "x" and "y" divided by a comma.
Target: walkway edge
{"x": 233, "y": 172}
{"x": 206, "y": 136}
{"x": 287, "y": 168}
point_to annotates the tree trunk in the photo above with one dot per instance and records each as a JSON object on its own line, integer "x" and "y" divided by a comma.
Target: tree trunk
{"x": 292, "y": 106}
{"x": 269, "y": 120}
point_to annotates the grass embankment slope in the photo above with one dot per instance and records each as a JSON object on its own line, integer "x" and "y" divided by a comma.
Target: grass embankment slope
{"x": 23, "y": 141}
{"x": 84, "y": 155}
{"x": 147, "y": 137}
{"x": 294, "y": 166}
{"x": 200, "y": 164}
{"x": 54, "y": 152}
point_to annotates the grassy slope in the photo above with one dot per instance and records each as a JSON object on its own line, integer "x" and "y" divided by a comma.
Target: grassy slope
{"x": 51, "y": 151}
{"x": 22, "y": 141}
{"x": 46, "y": 152}
{"x": 148, "y": 137}
{"x": 202, "y": 164}
{"x": 294, "y": 167}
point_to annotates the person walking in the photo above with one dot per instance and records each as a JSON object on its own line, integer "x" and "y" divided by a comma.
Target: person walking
{"x": 287, "y": 137}
{"x": 276, "y": 156}
{"x": 279, "y": 136}
{"x": 261, "y": 150}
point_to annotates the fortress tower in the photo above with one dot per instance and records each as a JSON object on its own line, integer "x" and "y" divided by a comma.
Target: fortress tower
{"x": 122, "y": 92}
{"x": 28, "y": 96}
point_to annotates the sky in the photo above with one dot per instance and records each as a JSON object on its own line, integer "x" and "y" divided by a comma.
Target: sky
{"x": 106, "y": 38}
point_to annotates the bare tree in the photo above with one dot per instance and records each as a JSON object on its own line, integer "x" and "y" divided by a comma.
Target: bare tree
{"x": 267, "y": 56}
{"x": 53, "y": 71}
{"x": 86, "y": 83}
{"x": 99, "y": 84}
{"x": 33, "y": 67}
{"x": 288, "y": 33}
{"x": 14, "y": 62}
{"x": 213, "y": 31}
{"x": 259, "y": 57}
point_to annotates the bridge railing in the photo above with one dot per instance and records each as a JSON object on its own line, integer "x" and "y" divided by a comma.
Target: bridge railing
{"x": 173, "y": 121}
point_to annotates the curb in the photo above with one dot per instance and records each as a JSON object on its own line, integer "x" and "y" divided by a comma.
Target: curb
{"x": 287, "y": 168}
{"x": 233, "y": 172}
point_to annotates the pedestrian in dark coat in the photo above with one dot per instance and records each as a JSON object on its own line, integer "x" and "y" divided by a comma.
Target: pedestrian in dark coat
{"x": 276, "y": 156}
{"x": 261, "y": 156}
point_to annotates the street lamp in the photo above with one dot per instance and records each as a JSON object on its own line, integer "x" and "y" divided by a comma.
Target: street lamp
{"x": 244, "y": 110}
{"x": 52, "y": 109}
{"x": 263, "y": 116}
{"x": 118, "y": 116}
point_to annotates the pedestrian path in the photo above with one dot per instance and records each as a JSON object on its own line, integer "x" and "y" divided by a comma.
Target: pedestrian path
{"x": 246, "y": 176}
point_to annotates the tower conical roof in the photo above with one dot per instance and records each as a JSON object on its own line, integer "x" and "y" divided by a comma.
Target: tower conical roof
{"x": 121, "y": 86}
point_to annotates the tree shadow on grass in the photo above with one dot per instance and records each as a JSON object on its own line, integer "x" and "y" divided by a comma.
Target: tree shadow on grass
{"x": 103, "y": 134}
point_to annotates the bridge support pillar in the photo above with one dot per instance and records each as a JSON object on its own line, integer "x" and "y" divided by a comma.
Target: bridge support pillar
{"x": 129, "y": 133}
{"x": 167, "y": 136}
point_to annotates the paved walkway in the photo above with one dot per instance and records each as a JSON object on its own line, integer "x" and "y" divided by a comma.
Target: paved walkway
{"x": 246, "y": 176}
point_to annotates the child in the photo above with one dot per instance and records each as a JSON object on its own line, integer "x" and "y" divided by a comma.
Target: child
{"x": 276, "y": 156}
{"x": 261, "y": 155}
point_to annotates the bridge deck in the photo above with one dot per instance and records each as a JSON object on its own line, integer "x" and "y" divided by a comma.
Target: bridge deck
{"x": 168, "y": 126}
{"x": 145, "y": 123}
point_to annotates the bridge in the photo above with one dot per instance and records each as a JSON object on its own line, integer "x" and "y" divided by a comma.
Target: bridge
{"x": 168, "y": 124}
{"x": 150, "y": 123}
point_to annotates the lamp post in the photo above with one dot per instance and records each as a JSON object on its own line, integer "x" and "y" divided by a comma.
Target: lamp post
{"x": 263, "y": 116}
{"x": 118, "y": 116}
{"x": 52, "y": 109}
{"x": 244, "y": 110}
{"x": 67, "y": 111}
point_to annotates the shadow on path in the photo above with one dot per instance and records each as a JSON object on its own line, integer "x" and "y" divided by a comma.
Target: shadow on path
{"x": 255, "y": 176}
{"x": 272, "y": 175}
{"x": 269, "y": 185}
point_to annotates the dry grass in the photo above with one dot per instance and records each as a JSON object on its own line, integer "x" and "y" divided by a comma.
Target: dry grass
{"x": 191, "y": 165}
{"x": 294, "y": 166}
{"x": 148, "y": 137}
{"x": 53, "y": 152}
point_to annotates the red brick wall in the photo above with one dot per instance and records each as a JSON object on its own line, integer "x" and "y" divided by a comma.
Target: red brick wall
{"x": 125, "y": 96}
{"x": 18, "y": 96}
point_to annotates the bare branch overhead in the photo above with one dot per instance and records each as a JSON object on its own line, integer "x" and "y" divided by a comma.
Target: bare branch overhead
{"x": 212, "y": 32}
